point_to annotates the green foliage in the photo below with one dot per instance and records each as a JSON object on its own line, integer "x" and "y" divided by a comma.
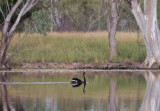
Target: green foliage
{"x": 40, "y": 22}
{"x": 75, "y": 15}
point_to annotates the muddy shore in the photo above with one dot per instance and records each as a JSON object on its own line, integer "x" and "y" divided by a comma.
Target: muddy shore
{"x": 107, "y": 66}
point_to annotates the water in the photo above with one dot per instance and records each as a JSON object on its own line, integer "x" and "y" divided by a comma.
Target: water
{"x": 105, "y": 91}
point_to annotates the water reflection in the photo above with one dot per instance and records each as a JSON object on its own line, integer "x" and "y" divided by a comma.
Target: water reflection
{"x": 6, "y": 101}
{"x": 151, "y": 100}
{"x": 111, "y": 91}
{"x": 112, "y": 100}
{"x": 79, "y": 84}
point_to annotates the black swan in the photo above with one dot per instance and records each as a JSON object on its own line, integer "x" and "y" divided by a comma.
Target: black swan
{"x": 77, "y": 82}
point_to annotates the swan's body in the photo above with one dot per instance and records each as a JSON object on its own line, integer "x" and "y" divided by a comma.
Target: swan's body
{"x": 77, "y": 82}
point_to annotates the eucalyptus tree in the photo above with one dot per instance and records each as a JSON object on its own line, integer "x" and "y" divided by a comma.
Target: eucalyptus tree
{"x": 147, "y": 21}
{"x": 112, "y": 9}
{"x": 10, "y": 9}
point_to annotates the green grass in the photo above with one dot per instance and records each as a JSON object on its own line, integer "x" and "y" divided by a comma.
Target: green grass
{"x": 91, "y": 47}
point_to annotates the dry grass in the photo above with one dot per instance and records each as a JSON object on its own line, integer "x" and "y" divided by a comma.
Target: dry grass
{"x": 77, "y": 47}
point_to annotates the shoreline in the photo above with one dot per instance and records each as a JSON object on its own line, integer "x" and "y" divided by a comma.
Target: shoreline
{"x": 80, "y": 66}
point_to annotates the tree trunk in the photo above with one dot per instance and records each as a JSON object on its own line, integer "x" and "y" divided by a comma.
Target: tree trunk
{"x": 152, "y": 33}
{"x": 3, "y": 50}
{"x": 148, "y": 24}
{"x": 112, "y": 24}
{"x": 112, "y": 41}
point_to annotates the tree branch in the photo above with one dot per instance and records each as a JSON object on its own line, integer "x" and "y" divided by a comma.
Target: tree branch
{"x": 92, "y": 22}
{"x": 107, "y": 15}
{"x": 8, "y": 6}
{"x": 18, "y": 18}
{"x": 139, "y": 15}
{"x": 128, "y": 2}
{"x": 2, "y": 13}
{"x": 8, "y": 18}
{"x": 10, "y": 55}
{"x": 30, "y": 5}
{"x": 43, "y": 5}
{"x": 119, "y": 3}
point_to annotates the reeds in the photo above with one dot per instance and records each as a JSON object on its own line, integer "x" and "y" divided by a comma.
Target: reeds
{"x": 67, "y": 47}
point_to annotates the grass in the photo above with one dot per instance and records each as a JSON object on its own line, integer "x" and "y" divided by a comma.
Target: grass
{"x": 90, "y": 47}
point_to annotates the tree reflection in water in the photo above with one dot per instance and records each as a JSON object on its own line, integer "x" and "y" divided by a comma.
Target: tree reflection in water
{"x": 7, "y": 104}
{"x": 151, "y": 100}
{"x": 112, "y": 100}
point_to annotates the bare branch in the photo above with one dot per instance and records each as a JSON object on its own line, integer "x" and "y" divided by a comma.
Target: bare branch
{"x": 107, "y": 15}
{"x": 8, "y": 6}
{"x": 18, "y": 18}
{"x": 128, "y": 2}
{"x": 45, "y": 6}
{"x": 71, "y": 19}
{"x": 2, "y": 13}
{"x": 29, "y": 4}
{"x": 118, "y": 3}
{"x": 92, "y": 22}
{"x": 10, "y": 55}
{"x": 8, "y": 18}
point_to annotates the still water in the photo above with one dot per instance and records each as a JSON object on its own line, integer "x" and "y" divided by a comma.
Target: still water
{"x": 104, "y": 91}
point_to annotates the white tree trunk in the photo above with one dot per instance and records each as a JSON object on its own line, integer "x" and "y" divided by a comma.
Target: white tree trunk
{"x": 148, "y": 24}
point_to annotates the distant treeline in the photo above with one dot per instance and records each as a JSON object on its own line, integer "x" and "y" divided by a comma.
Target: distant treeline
{"x": 73, "y": 15}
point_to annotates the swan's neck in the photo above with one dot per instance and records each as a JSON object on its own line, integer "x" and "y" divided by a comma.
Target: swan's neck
{"x": 84, "y": 78}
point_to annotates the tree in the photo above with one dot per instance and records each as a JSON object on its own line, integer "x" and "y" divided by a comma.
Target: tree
{"x": 16, "y": 8}
{"x": 112, "y": 23}
{"x": 147, "y": 21}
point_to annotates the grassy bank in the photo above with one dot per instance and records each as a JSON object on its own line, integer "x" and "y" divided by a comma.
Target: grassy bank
{"x": 76, "y": 47}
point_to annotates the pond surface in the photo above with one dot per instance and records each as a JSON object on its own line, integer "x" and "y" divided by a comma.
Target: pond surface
{"x": 104, "y": 91}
